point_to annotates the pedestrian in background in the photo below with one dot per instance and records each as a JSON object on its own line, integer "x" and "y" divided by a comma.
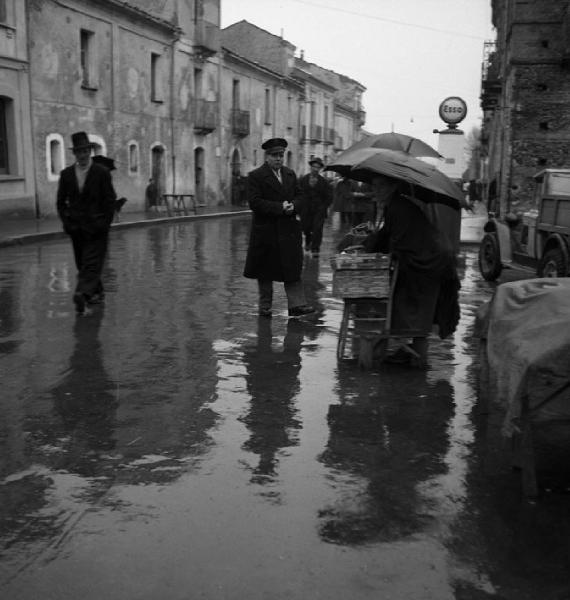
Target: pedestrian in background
{"x": 151, "y": 195}
{"x": 344, "y": 199}
{"x": 275, "y": 251}
{"x": 316, "y": 197}
{"x": 86, "y": 206}
{"x": 363, "y": 205}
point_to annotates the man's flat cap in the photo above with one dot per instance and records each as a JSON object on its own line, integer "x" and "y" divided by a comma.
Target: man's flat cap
{"x": 274, "y": 145}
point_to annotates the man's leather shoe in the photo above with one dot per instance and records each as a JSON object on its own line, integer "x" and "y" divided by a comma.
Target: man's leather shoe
{"x": 265, "y": 312}
{"x": 301, "y": 311}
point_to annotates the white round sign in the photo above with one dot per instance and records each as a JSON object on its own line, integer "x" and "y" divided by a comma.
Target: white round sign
{"x": 453, "y": 110}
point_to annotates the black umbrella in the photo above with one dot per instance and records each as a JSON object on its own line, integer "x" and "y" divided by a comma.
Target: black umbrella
{"x": 396, "y": 141}
{"x": 427, "y": 183}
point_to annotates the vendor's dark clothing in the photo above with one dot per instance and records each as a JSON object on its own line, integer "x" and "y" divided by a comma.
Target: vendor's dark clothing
{"x": 87, "y": 216}
{"x": 426, "y": 290}
{"x": 316, "y": 198}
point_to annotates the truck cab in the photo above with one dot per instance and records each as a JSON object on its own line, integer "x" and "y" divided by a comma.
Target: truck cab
{"x": 537, "y": 240}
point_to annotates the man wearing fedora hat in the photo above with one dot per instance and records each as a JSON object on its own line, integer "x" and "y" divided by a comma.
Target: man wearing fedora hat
{"x": 275, "y": 251}
{"x": 86, "y": 206}
{"x": 316, "y": 197}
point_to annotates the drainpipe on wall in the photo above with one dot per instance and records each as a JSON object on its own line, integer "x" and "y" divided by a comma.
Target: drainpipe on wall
{"x": 37, "y": 212}
{"x": 172, "y": 105}
{"x": 221, "y": 154}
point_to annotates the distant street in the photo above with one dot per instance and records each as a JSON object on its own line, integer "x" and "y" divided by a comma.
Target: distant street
{"x": 173, "y": 446}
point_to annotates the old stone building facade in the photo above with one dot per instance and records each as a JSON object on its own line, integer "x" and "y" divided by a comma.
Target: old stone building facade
{"x": 163, "y": 91}
{"x": 525, "y": 99}
{"x": 17, "y": 181}
{"x": 319, "y": 112}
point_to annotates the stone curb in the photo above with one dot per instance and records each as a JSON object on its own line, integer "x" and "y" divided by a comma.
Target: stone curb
{"x": 31, "y": 238}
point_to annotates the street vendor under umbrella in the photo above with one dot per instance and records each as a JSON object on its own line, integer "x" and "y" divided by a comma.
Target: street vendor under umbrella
{"x": 426, "y": 288}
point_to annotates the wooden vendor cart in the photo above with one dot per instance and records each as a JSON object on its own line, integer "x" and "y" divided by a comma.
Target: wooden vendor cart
{"x": 365, "y": 282}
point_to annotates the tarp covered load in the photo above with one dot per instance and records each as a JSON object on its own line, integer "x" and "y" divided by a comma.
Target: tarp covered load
{"x": 527, "y": 327}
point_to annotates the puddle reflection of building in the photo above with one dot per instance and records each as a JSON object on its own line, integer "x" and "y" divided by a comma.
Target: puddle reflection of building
{"x": 272, "y": 380}
{"x": 387, "y": 443}
{"x": 85, "y": 401}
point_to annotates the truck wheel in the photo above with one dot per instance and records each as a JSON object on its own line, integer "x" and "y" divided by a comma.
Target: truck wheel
{"x": 490, "y": 257}
{"x": 553, "y": 264}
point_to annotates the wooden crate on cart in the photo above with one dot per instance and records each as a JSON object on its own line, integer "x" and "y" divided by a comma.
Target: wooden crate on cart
{"x": 362, "y": 280}
{"x": 361, "y": 275}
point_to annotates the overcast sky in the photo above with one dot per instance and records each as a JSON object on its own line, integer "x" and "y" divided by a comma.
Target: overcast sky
{"x": 409, "y": 54}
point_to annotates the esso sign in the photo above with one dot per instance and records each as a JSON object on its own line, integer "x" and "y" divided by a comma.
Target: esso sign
{"x": 453, "y": 110}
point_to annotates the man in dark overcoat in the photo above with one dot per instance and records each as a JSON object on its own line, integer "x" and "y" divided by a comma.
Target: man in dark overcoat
{"x": 86, "y": 206}
{"x": 316, "y": 197}
{"x": 275, "y": 251}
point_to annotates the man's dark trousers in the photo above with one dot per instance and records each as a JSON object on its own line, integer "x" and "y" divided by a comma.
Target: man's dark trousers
{"x": 89, "y": 250}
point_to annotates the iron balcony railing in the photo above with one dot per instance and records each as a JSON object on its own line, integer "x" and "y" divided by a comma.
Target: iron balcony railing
{"x": 205, "y": 115}
{"x": 240, "y": 122}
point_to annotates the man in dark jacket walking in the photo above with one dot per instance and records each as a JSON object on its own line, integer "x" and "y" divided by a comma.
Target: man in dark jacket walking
{"x": 316, "y": 197}
{"x": 86, "y": 206}
{"x": 275, "y": 251}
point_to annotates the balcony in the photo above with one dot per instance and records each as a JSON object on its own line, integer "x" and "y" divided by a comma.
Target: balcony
{"x": 206, "y": 38}
{"x": 329, "y": 136}
{"x": 491, "y": 86}
{"x": 240, "y": 122}
{"x": 312, "y": 134}
{"x": 316, "y": 133}
{"x": 205, "y": 116}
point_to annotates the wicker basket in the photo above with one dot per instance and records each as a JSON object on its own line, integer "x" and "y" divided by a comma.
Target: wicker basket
{"x": 361, "y": 275}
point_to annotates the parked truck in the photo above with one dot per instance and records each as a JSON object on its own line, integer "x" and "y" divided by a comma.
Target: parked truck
{"x": 538, "y": 240}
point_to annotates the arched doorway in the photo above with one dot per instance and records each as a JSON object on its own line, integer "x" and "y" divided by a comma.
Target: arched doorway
{"x": 157, "y": 168}
{"x": 238, "y": 181}
{"x": 199, "y": 176}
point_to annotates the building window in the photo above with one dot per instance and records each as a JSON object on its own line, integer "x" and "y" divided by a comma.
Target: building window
{"x": 88, "y": 59}
{"x": 255, "y": 158}
{"x": 3, "y": 16}
{"x": 198, "y": 82}
{"x": 267, "y": 107}
{"x": 133, "y": 157}
{"x": 55, "y": 156}
{"x": 235, "y": 94}
{"x": 155, "y": 80}
{"x": 4, "y": 156}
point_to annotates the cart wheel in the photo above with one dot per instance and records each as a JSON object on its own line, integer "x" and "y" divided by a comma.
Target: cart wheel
{"x": 490, "y": 257}
{"x": 343, "y": 331}
{"x": 553, "y": 264}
